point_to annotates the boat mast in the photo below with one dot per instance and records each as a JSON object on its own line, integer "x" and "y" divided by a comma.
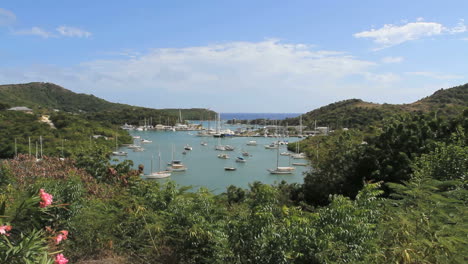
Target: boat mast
{"x": 159, "y": 156}
{"x": 40, "y": 138}
{"x": 29, "y": 140}
{"x": 172, "y": 152}
{"x": 152, "y": 163}
{"x": 277, "y": 158}
{"x": 62, "y": 149}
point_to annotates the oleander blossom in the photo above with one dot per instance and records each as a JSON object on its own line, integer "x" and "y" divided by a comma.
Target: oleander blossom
{"x": 65, "y": 234}
{"x": 4, "y": 229}
{"x": 60, "y": 259}
{"x": 62, "y": 236}
{"x": 46, "y": 198}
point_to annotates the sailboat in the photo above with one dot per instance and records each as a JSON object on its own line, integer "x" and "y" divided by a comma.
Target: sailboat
{"x": 219, "y": 146}
{"x": 300, "y": 128}
{"x": 159, "y": 174}
{"x": 298, "y": 155}
{"x": 176, "y": 165}
{"x": 117, "y": 152}
{"x": 218, "y": 127}
{"x": 280, "y": 170}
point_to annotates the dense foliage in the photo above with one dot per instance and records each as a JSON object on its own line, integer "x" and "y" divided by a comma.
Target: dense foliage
{"x": 337, "y": 216}
{"x": 73, "y": 132}
{"x": 396, "y": 193}
{"x": 50, "y": 96}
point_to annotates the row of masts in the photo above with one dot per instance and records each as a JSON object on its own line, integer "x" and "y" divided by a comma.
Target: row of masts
{"x": 39, "y": 148}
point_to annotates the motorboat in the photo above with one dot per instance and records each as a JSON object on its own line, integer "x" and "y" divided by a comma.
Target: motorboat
{"x": 228, "y": 148}
{"x": 299, "y": 156}
{"x": 252, "y": 143}
{"x": 146, "y": 141}
{"x": 241, "y": 160}
{"x": 139, "y": 149}
{"x": 119, "y": 153}
{"x": 204, "y": 143}
{"x": 285, "y": 153}
{"x": 223, "y": 156}
{"x": 245, "y": 154}
{"x": 272, "y": 146}
{"x": 220, "y": 147}
{"x": 299, "y": 164}
{"x": 229, "y": 168}
{"x": 188, "y": 147}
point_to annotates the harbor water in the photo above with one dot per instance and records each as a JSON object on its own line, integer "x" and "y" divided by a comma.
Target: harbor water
{"x": 205, "y": 169}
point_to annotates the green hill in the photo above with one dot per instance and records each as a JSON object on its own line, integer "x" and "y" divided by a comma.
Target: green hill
{"x": 355, "y": 113}
{"x": 50, "y": 96}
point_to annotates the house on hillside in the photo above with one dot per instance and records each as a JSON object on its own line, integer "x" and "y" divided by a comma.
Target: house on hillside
{"x": 23, "y": 109}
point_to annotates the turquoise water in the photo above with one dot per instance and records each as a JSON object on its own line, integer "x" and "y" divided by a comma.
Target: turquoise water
{"x": 205, "y": 168}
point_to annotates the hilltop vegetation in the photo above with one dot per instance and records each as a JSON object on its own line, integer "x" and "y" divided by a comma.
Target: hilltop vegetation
{"x": 75, "y": 132}
{"x": 355, "y": 113}
{"x": 49, "y": 96}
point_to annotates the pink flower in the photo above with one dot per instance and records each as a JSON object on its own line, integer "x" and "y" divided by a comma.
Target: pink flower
{"x": 4, "y": 229}
{"x": 46, "y": 199}
{"x": 58, "y": 239}
{"x": 64, "y": 233}
{"x": 62, "y": 236}
{"x": 60, "y": 259}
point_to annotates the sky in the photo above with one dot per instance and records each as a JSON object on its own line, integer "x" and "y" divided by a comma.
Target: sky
{"x": 237, "y": 56}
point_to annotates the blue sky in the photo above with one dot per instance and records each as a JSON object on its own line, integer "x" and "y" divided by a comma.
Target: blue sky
{"x": 237, "y": 56}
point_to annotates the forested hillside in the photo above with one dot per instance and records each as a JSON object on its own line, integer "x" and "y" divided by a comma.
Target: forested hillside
{"x": 355, "y": 113}
{"x": 50, "y": 96}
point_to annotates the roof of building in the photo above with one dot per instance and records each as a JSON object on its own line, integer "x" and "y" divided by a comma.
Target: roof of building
{"x": 20, "y": 108}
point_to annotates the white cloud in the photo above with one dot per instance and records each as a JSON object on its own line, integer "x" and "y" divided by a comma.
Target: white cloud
{"x": 261, "y": 75}
{"x": 34, "y": 31}
{"x": 459, "y": 28}
{"x": 392, "y": 59}
{"x": 436, "y": 75}
{"x": 6, "y": 17}
{"x": 391, "y": 35}
{"x": 385, "y": 78}
{"x": 73, "y": 32}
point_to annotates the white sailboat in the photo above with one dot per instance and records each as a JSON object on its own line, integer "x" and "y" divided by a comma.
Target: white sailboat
{"x": 280, "y": 170}
{"x": 159, "y": 174}
{"x": 176, "y": 165}
{"x": 117, "y": 152}
{"x": 298, "y": 155}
